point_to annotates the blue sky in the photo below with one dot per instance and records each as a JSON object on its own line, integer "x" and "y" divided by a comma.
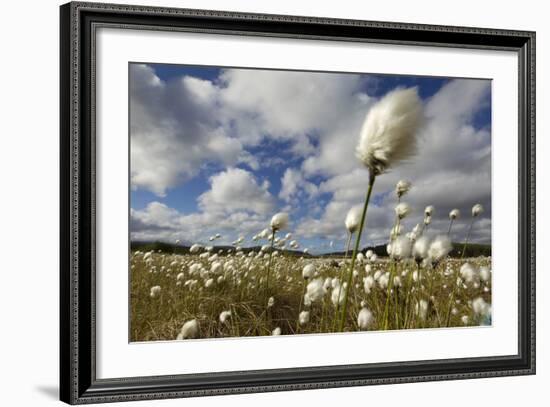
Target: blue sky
{"x": 218, "y": 150}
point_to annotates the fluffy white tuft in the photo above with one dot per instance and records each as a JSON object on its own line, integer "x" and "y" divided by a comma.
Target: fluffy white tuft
{"x": 402, "y": 209}
{"x": 439, "y": 248}
{"x": 389, "y": 131}
{"x": 308, "y": 271}
{"x": 429, "y": 210}
{"x": 279, "y": 221}
{"x": 421, "y": 247}
{"x": 402, "y": 187}
{"x": 353, "y": 219}
{"x": 189, "y": 330}
{"x": 155, "y": 291}
{"x": 224, "y": 316}
{"x": 400, "y": 248}
{"x": 368, "y": 283}
{"x": 315, "y": 290}
{"x": 477, "y": 209}
{"x": 421, "y": 309}
{"x": 364, "y": 318}
{"x": 469, "y": 273}
{"x": 481, "y": 307}
{"x": 454, "y": 214}
{"x": 304, "y": 317}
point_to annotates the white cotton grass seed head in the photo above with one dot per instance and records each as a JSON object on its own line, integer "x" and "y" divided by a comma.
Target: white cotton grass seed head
{"x": 402, "y": 187}
{"x": 480, "y": 307}
{"x": 307, "y": 301}
{"x": 384, "y": 279}
{"x": 400, "y": 248}
{"x": 308, "y": 271}
{"x": 388, "y": 135}
{"x": 155, "y": 291}
{"x": 397, "y": 281}
{"x": 368, "y": 283}
{"x": 402, "y": 210}
{"x": 484, "y": 273}
{"x": 454, "y": 214}
{"x": 270, "y": 302}
{"x": 195, "y": 248}
{"x": 429, "y": 211}
{"x": 224, "y": 316}
{"x": 420, "y": 247}
{"x": 353, "y": 219}
{"x": 327, "y": 284}
{"x": 440, "y": 247}
{"x": 276, "y": 331}
{"x": 279, "y": 221}
{"x": 421, "y": 309}
{"x": 364, "y": 318}
{"x": 303, "y": 318}
{"x": 338, "y": 294}
{"x": 469, "y": 273}
{"x": 477, "y": 210}
{"x": 189, "y": 330}
{"x": 315, "y": 290}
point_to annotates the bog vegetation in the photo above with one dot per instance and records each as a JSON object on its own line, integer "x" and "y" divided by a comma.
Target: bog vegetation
{"x": 422, "y": 281}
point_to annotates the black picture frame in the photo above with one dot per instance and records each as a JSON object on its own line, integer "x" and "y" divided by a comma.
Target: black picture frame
{"x": 78, "y": 382}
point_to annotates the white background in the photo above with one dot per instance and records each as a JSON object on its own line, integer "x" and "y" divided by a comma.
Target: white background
{"x": 29, "y": 205}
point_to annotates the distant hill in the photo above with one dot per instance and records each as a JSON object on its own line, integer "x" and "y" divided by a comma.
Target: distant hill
{"x": 182, "y": 249}
{"x": 472, "y": 250}
{"x": 380, "y": 251}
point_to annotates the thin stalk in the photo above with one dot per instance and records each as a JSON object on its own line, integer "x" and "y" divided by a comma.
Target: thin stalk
{"x": 300, "y": 305}
{"x": 396, "y": 297}
{"x": 418, "y": 295}
{"x": 395, "y": 228}
{"x": 372, "y": 178}
{"x": 340, "y": 277}
{"x": 269, "y": 263}
{"x": 455, "y": 276}
{"x": 467, "y": 238}
{"x": 450, "y": 226}
{"x": 347, "y": 246}
{"x": 407, "y": 299}
{"x": 323, "y": 300}
{"x": 388, "y": 294}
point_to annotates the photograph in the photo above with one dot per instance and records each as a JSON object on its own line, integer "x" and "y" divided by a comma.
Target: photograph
{"x": 286, "y": 202}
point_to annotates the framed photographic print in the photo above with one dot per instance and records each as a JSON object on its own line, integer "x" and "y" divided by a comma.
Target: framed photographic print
{"x": 257, "y": 203}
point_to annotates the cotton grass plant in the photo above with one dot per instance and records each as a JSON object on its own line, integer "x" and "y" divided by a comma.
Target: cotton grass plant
{"x": 388, "y": 137}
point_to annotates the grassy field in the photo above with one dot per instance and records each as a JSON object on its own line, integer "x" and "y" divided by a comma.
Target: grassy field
{"x": 259, "y": 293}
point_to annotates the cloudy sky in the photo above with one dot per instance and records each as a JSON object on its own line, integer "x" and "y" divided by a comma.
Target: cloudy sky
{"x": 221, "y": 150}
